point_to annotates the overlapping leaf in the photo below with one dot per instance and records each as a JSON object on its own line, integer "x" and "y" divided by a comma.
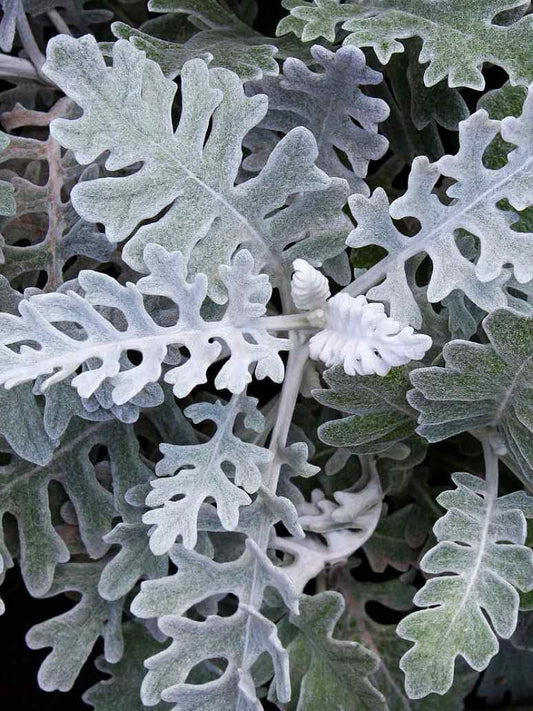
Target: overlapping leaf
{"x": 474, "y": 206}
{"x": 24, "y": 494}
{"x": 395, "y": 594}
{"x": 99, "y": 341}
{"x": 239, "y": 639}
{"x": 44, "y": 219}
{"x": 332, "y": 105}
{"x": 483, "y": 385}
{"x": 189, "y": 175}
{"x": 213, "y": 33}
{"x": 481, "y": 543}
{"x": 458, "y": 36}
{"x": 122, "y": 691}
{"x": 334, "y": 530}
{"x": 201, "y": 471}
{"x": 73, "y": 634}
{"x": 327, "y": 672}
{"x": 378, "y": 414}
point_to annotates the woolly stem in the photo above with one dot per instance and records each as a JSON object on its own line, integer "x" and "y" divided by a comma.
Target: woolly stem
{"x": 291, "y": 387}
{"x": 289, "y": 394}
{"x": 18, "y": 67}
{"x": 491, "y": 465}
{"x": 28, "y": 42}
{"x": 58, "y": 22}
{"x": 294, "y": 322}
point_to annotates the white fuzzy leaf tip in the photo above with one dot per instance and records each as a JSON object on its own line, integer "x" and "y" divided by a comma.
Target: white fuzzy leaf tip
{"x": 363, "y": 339}
{"x": 309, "y": 288}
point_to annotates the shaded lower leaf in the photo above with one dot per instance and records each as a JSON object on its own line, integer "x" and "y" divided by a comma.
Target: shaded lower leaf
{"x": 122, "y": 691}
{"x": 328, "y": 673}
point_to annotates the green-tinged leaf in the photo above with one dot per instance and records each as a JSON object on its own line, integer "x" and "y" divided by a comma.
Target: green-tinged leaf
{"x": 122, "y": 691}
{"x": 378, "y": 412}
{"x": 382, "y": 639}
{"x": 483, "y": 385}
{"x": 474, "y": 203}
{"x": 73, "y": 634}
{"x": 481, "y": 543}
{"x": 458, "y": 35}
{"x": 327, "y": 673}
{"x": 24, "y": 494}
{"x": 390, "y": 544}
{"x": 187, "y": 173}
{"x": 236, "y": 49}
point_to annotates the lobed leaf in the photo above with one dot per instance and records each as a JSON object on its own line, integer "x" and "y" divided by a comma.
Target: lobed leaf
{"x": 93, "y": 340}
{"x": 187, "y": 174}
{"x": 475, "y": 205}
{"x": 482, "y": 385}
{"x": 481, "y": 548}
{"x": 458, "y": 36}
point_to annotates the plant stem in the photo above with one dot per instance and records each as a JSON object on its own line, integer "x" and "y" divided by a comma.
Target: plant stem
{"x": 18, "y": 67}
{"x": 491, "y": 466}
{"x": 58, "y": 22}
{"x": 289, "y": 394}
{"x": 310, "y": 320}
{"x": 28, "y": 42}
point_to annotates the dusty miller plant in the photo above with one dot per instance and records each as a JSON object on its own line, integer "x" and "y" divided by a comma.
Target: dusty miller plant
{"x": 266, "y": 349}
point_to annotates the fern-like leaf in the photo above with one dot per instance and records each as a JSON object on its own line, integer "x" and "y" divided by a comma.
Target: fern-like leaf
{"x": 458, "y": 35}
{"x": 100, "y": 341}
{"x": 127, "y": 111}
{"x": 199, "y": 472}
{"x": 481, "y": 543}
{"x": 332, "y": 105}
{"x": 475, "y": 206}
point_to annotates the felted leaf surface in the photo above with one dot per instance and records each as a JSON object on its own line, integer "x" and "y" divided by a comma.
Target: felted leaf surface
{"x": 390, "y": 544}
{"x": 377, "y": 413}
{"x": 332, "y": 105}
{"x": 7, "y": 201}
{"x": 475, "y": 207}
{"x": 200, "y": 471}
{"x": 24, "y": 493}
{"x": 327, "y": 673}
{"x": 122, "y": 691}
{"x": 415, "y": 110}
{"x": 240, "y": 639}
{"x": 73, "y": 634}
{"x": 127, "y": 111}
{"x": 483, "y": 385}
{"x": 225, "y": 29}
{"x": 100, "y": 345}
{"x": 382, "y": 639}
{"x": 232, "y": 45}
{"x": 458, "y": 36}
{"x": 334, "y": 530}
{"x": 481, "y": 549}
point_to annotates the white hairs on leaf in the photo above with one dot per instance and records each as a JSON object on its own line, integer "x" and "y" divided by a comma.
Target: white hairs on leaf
{"x": 310, "y": 288}
{"x": 363, "y": 339}
{"x": 357, "y": 335}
